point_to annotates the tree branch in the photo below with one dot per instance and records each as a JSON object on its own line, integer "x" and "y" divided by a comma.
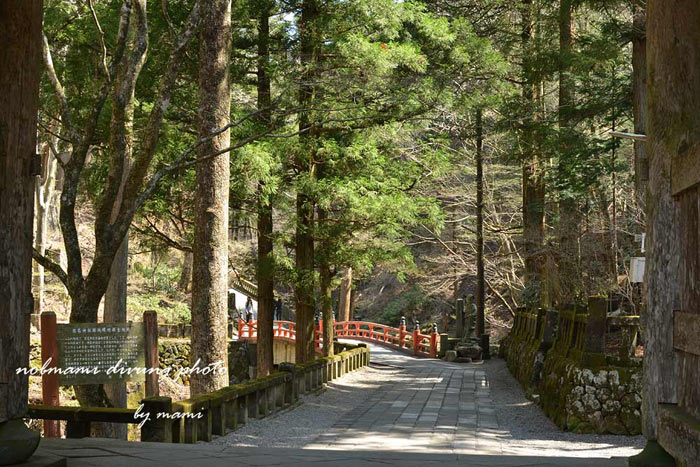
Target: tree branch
{"x": 60, "y": 93}
{"x": 51, "y": 266}
{"x": 101, "y": 35}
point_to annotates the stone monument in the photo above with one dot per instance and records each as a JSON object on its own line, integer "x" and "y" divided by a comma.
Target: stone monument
{"x": 468, "y": 347}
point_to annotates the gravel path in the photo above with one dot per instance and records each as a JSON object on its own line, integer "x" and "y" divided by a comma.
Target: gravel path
{"x": 530, "y": 431}
{"x": 508, "y": 424}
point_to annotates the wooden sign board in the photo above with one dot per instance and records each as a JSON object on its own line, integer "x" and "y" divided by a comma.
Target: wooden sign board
{"x": 90, "y": 350}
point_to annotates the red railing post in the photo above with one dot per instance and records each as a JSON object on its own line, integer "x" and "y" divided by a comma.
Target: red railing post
{"x": 49, "y": 382}
{"x": 240, "y": 329}
{"x": 316, "y": 328}
{"x": 402, "y": 332}
{"x": 416, "y": 341}
{"x": 434, "y": 341}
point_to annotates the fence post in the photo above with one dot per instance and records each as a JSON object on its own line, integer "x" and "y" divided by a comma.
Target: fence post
{"x": 416, "y": 331}
{"x": 402, "y": 332}
{"x": 434, "y": 341}
{"x": 49, "y": 382}
{"x": 150, "y": 323}
{"x": 290, "y": 393}
{"x": 157, "y": 429}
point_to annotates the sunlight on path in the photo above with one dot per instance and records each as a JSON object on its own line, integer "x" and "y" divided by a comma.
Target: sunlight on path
{"x": 406, "y": 404}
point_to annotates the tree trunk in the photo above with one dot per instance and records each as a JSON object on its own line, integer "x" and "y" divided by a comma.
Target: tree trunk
{"x": 480, "y": 284}
{"x": 533, "y": 167}
{"x": 344, "y": 300}
{"x": 353, "y": 299}
{"x": 20, "y": 73}
{"x": 305, "y": 166}
{"x": 115, "y": 312}
{"x": 266, "y": 284}
{"x": 44, "y": 195}
{"x": 186, "y": 274}
{"x": 40, "y": 246}
{"x": 210, "y": 252}
{"x": 639, "y": 81}
{"x": 569, "y": 215}
{"x": 304, "y": 286}
{"x": 326, "y": 294}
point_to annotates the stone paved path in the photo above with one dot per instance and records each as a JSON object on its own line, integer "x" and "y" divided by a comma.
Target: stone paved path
{"x": 402, "y": 411}
{"x": 428, "y": 406}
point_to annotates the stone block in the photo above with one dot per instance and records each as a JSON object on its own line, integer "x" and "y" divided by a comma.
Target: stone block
{"x": 451, "y": 355}
{"x": 632, "y": 419}
{"x": 611, "y": 407}
{"x": 613, "y": 424}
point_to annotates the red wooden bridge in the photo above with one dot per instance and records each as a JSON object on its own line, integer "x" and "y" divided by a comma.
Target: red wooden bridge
{"x": 425, "y": 345}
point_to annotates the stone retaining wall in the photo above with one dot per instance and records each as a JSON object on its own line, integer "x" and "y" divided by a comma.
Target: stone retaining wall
{"x": 560, "y": 360}
{"x": 598, "y": 400}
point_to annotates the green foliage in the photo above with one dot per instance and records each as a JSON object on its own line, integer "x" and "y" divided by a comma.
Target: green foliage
{"x": 170, "y": 312}
{"x": 396, "y": 86}
{"x": 407, "y": 304}
{"x": 163, "y": 279}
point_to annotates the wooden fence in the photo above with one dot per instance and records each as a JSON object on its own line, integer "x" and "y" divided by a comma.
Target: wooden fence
{"x": 580, "y": 333}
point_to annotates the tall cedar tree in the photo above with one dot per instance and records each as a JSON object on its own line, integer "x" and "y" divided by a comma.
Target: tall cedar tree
{"x": 210, "y": 252}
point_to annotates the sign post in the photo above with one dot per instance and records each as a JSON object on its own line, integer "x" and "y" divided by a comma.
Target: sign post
{"x": 49, "y": 381}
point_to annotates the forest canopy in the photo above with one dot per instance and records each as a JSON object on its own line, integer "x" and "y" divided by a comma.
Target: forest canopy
{"x": 383, "y": 158}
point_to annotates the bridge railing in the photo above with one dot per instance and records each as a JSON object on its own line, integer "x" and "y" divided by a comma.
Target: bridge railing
{"x": 422, "y": 344}
{"x": 426, "y": 345}
{"x": 281, "y": 329}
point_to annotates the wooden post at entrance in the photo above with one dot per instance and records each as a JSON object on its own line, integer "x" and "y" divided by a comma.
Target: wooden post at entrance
{"x": 49, "y": 382}
{"x": 150, "y": 323}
